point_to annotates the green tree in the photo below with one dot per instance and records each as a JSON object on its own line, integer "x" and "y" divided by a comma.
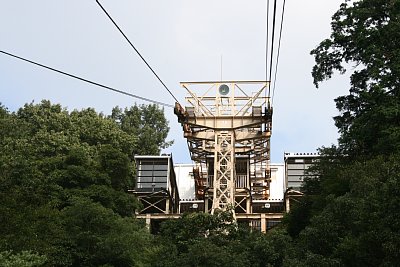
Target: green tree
{"x": 64, "y": 178}
{"x": 200, "y": 239}
{"x": 366, "y": 35}
{"x": 349, "y": 216}
{"x": 22, "y": 259}
{"x": 148, "y": 123}
{"x": 99, "y": 237}
{"x": 360, "y": 227}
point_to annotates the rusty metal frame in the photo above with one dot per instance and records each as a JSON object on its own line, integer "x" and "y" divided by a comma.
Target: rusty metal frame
{"x": 225, "y": 126}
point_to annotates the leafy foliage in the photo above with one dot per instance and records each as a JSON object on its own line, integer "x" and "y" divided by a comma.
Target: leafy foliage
{"x": 350, "y": 215}
{"x": 359, "y": 227}
{"x": 199, "y": 239}
{"x": 366, "y": 34}
{"x": 148, "y": 123}
{"x": 22, "y": 259}
{"x": 63, "y": 186}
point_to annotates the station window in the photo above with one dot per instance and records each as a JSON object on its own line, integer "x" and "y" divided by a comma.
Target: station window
{"x": 152, "y": 174}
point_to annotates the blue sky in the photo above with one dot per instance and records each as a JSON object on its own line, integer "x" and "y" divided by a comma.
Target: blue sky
{"x": 183, "y": 40}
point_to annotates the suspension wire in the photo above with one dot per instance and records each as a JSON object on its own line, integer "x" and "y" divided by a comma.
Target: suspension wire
{"x": 134, "y": 48}
{"x": 88, "y": 81}
{"x": 272, "y": 49}
{"x": 266, "y": 43}
{"x": 279, "y": 48}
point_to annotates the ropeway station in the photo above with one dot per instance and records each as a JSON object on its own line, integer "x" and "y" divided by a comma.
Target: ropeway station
{"x": 228, "y": 127}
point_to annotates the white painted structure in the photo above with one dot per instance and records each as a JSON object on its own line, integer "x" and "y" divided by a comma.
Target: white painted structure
{"x": 186, "y": 184}
{"x": 185, "y": 181}
{"x": 277, "y": 184}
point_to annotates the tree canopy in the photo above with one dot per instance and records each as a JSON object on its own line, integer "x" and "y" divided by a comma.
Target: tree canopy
{"x": 64, "y": 178}
{"x": 349, "y": 215}
{"x": 365, "y": 37}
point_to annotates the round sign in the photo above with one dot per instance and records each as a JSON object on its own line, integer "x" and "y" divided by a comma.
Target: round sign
{"x": 223, "y": 89}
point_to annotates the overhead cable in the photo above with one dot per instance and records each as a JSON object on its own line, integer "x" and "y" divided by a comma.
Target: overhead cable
{"x": 88, "y": 81}
{"x": 279, "y": 47}
{"x": 134, "y": 48}
{"x": 272, "y": 48}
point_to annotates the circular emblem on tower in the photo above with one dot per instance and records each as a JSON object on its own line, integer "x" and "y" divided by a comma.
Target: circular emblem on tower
{"x": 223, "y": 89}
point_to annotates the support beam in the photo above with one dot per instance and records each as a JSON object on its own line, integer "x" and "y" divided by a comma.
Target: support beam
{"x": 148, "y": 221}
{"x": 224, "y": 172}
{"x": 263, "y": 223}
{"x": 223, "y": 122}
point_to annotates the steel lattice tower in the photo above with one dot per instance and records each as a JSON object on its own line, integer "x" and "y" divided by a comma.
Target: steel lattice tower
{"x": 222, "y": 122}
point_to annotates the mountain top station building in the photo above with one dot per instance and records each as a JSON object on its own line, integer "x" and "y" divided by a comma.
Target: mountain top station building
{"x": 167, "y": 190}
{"x": 228, "y": 126}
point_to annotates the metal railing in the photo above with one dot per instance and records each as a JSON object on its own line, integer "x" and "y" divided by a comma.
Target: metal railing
{"x": 241, "y": 181}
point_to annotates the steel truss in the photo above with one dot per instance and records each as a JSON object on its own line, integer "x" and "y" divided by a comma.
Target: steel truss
{"x": 221, "y": 125}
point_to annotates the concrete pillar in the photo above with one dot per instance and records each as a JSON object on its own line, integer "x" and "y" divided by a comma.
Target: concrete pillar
{"x": 148, "y": 221}
{"x": 263, "y": 223}
{"x": 287, "y": 202}
{"x": 167, "y": 204}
